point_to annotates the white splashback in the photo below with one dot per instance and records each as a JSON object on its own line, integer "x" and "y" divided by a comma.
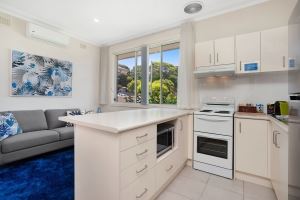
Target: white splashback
{"x": 256, "y": 88}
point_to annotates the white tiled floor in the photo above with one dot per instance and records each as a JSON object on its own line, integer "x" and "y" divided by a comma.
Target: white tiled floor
{"x": 196, "y": 185}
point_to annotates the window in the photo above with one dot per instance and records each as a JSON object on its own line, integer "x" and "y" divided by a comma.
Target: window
{"x": 129, "y": 77}
{"x": 162, "y": 75}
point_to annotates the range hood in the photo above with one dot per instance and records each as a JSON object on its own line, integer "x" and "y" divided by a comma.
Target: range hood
{"x": 220, "y": 70}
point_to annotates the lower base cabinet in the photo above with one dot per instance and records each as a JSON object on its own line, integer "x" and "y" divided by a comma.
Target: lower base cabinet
{"x": 279, "y": 162}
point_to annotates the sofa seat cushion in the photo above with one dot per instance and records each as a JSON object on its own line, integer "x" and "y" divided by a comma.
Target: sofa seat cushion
{"x": 28, "y": 140}
{"x": 65, "y": 132}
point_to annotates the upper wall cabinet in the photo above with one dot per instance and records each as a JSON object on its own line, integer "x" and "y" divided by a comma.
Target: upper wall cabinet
{"x": 224, "y": 51}
{"x": 204, "y": 54}
{"x": 248, "y": 53}
{"x": 274, "y": 49}
{"x": 218, "y": 52}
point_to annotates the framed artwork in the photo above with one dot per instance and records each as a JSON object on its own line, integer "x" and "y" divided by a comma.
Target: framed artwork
{"x": 34, "y": 75}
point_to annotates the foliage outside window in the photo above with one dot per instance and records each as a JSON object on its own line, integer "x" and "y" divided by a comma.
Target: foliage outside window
{"x": 162, "y": 75}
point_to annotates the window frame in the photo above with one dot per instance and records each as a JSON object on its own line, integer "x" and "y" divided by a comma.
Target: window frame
{"x": 115, "y": 74}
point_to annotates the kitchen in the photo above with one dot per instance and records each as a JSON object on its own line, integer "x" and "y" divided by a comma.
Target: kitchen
{"x": 197, "y": 102}
{"x": 240, "y": 131}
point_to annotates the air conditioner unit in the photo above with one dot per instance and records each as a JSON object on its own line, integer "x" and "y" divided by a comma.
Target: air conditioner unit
{"x": 36, "y": 31}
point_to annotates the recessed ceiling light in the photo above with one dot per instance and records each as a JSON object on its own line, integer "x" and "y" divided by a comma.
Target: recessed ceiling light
{"x": 96, "y": 20}
{"x": 193, "y": 7}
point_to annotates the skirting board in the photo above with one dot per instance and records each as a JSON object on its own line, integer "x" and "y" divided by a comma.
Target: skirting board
{"x": 253, "y": 179}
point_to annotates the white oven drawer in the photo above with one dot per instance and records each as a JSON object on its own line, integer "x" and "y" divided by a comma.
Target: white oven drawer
{"x": 213, "y": 124}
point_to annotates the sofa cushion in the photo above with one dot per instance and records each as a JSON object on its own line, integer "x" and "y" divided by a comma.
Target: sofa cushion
{"x": 31, "y": 120}
{"x": 53, "y": 115}
{"x": 65, "y": 132}
{"x": 9, "y": 126}
{"x": 28, "y": 140}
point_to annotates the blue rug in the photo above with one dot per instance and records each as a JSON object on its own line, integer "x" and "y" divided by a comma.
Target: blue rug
{"x": 46, "y": 177}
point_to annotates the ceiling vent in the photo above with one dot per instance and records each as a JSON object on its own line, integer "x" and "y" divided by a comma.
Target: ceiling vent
{"x": 5, "y": 19}
{"x": 38, "y": 32}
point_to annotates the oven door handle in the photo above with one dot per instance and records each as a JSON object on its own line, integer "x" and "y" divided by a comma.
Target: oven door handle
{"x": 213, "y": 120}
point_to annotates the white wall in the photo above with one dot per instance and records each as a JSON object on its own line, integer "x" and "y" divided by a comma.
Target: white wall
{"x": 259, "y": 88}
{"x": 85, "y": 70}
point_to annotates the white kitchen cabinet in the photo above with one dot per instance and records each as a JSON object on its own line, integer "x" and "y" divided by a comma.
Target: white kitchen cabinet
{"x": 248, "y": 53}
{"x": 204, "y": 54}
{"x": 251, "y": 146}
{"x": 217, "y": 52}
{"x": 274, "y": 49}
{"x": 224, "y": 51}
{"x": 279, "y": 162}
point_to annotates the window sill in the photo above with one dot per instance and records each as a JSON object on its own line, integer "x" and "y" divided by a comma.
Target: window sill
{"x": 133, "y": 105}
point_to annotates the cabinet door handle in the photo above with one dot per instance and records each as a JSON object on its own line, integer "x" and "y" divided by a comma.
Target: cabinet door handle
{"x": 181, "y": 125}
{"x": 274, "y": 137}
{"x": 143, "y": 193}
{"x": 171, "y": 167}
{"x": 283, "y": 61}
{"x": 240, "y": 126}
{"x": 141, "y": 170}
{"x": 276, "y": 140}
{"x": 217, "y": 57}
{"x": 140, "y": 154}
{"x": 142, "y": 136}
{"x": 240, "y": 65}
{"x": 209, "y": 58}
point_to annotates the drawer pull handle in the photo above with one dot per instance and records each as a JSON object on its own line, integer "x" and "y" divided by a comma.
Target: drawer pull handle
{"x": 140, "y": 154}
{"x": 142, "y": 136}
{"x": 171, "y": 167}
{"x": 139, "y": 171}
{"x": 141, "y": 195}
{"x": 276, "y": 140}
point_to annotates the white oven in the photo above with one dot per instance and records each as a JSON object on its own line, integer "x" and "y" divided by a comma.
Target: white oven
{"x": 213, "y": 139}
{"x": 213, "y": 149}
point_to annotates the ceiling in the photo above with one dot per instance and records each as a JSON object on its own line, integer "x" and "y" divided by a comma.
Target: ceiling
{"x": 119, "y": 20}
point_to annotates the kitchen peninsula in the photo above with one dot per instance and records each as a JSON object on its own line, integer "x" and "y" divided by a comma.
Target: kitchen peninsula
{"x": 116, "y": 153}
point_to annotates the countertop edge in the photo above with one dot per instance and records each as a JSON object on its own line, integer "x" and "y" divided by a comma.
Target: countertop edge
{"x": 120, "y": 130}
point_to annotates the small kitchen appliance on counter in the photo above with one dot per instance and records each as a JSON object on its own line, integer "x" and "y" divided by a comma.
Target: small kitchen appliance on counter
{"x": 213, "y": 137}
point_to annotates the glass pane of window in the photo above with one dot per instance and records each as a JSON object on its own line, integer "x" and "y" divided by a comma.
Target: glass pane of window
{"x": 126, "y": 78}
{"x": 154, "y": 75}
{"x": 169, "y": 71}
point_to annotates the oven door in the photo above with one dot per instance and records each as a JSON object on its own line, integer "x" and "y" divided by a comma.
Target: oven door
{"x": 213, "y": 149}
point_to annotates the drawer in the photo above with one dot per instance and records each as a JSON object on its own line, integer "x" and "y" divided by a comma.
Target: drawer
{"x": 137, "y": 153}
{"x": 137, "y": 136}
{"x": 142, "y": 189}
{"x": 132, "y": 173}
{"x": 213, "y": 124}
{"x": 166, "y": 168}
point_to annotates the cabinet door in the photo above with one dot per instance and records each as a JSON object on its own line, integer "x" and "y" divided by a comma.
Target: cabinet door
{"x": 279, "y": 162}
{"x": 274, "y": 49}
{"x": 204, "y": 54}
{"x": 252, "y": 146}
{"x": 248, "y": 52}
{"x": 224, "y": 51}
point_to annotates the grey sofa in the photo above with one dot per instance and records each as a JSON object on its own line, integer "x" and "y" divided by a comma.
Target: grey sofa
{"x": 42, "y": 132}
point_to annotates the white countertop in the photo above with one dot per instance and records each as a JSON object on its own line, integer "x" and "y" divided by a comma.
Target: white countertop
{"x": 121, "y": 121}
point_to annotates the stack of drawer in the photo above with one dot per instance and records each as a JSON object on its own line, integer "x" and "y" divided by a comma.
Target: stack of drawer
{"x": 137, "y": 161}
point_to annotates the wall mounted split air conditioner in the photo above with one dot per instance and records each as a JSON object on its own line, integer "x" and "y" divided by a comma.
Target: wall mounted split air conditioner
{"x": 36, "y": 31}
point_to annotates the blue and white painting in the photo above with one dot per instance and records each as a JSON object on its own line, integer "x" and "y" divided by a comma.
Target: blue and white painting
{"x": 34, "y": 75}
